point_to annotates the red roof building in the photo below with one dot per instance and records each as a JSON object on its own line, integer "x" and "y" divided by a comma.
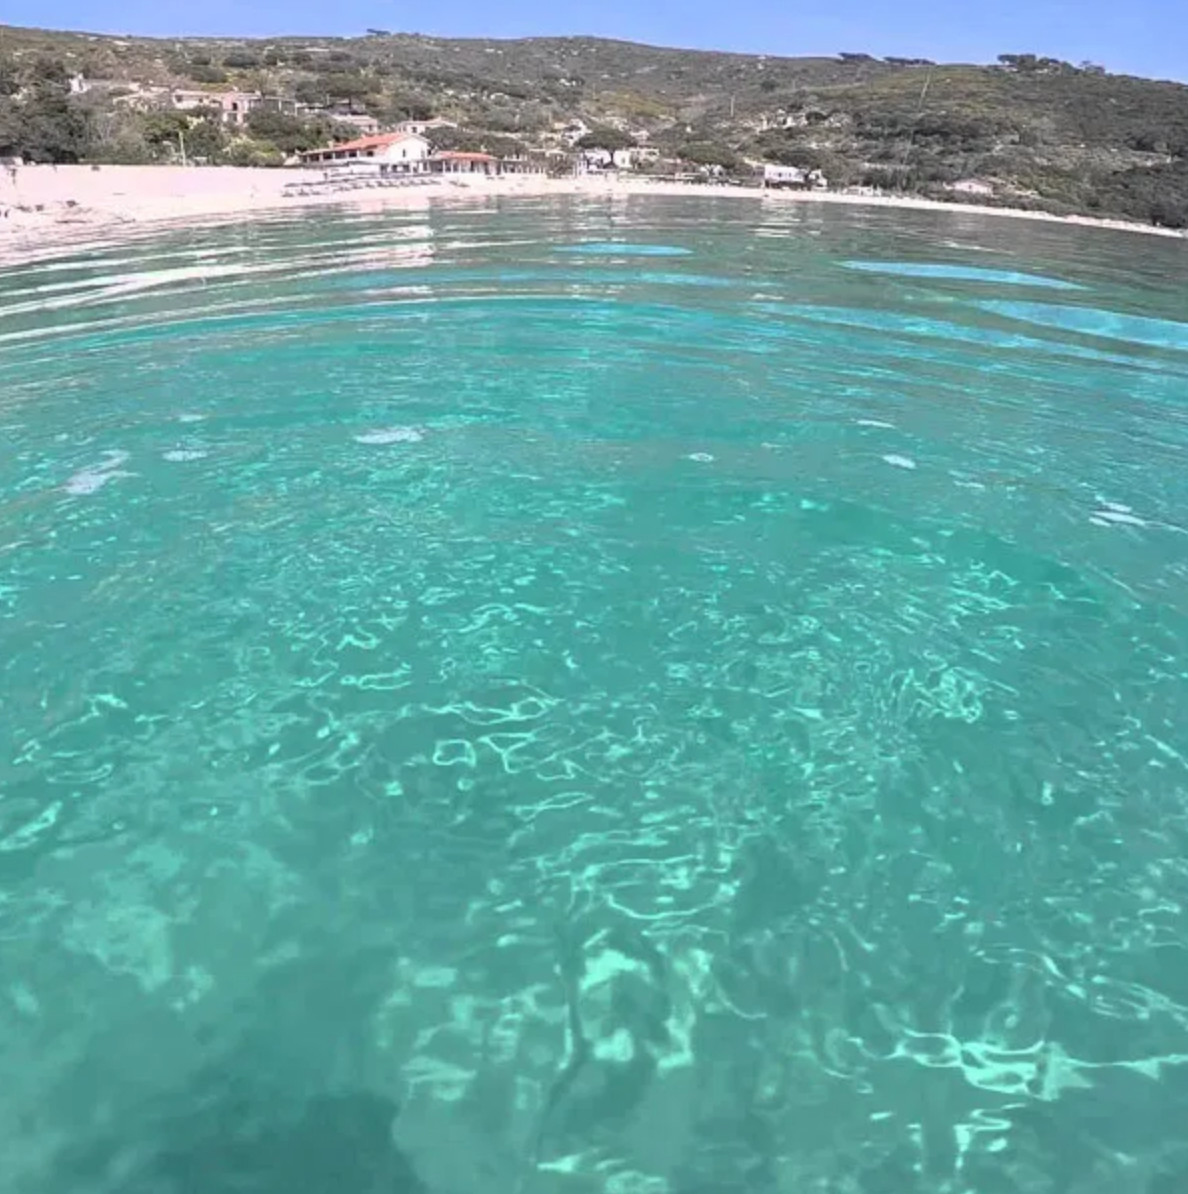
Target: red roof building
{"x": 399, "y": 152}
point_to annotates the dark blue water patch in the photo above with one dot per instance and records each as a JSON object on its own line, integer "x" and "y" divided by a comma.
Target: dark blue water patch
{"x": 617, "y": 249}
{"x": 912, "y": 325}
{"x": 1092, "y": 321}
{"x": 960, "y": 273}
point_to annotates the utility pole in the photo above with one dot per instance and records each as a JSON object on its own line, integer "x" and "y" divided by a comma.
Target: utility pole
{"x": 181, "y": 142}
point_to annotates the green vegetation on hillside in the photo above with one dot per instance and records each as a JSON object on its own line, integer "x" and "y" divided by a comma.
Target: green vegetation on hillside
{"x": 1029, "y": 130}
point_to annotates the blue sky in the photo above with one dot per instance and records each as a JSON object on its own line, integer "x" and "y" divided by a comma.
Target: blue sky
{"x": 1148, "y": 37}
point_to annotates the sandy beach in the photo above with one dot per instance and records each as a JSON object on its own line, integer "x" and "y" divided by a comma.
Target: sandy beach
{"x": 43, "y": 208}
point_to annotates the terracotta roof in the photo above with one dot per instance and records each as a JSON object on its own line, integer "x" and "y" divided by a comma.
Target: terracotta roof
{"x": 378, "y": 141}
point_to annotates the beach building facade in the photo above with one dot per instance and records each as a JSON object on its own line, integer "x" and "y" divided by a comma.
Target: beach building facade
{"x": 792, "y": 178}
{"x": 522, "y": 164}
{"x": 455, "y": 162}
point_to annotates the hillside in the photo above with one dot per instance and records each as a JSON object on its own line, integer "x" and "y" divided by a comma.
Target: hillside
{"x": 1027, "y": 131}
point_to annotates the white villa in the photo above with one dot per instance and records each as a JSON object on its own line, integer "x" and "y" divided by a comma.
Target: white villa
{"x": 389, "y": 153}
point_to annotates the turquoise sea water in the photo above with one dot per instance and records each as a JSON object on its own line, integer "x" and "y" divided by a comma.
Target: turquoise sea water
{"x": 613, "y": 696}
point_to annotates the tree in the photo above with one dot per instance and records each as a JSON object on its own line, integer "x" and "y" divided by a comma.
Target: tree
{"x": 117, "y": 136}
{"x": 460, "y": 140}
{"x": 473, "y": 141}
{"x": 1019, "y": 62}
{"x": 10, "y": 82}
{"x": 1170, "y": 213}
{"x": 55, "y": 133}
{"x": 312, "y": 92}
{"x": 289, "y": 134}
{"x": 10, "y": 129}
{"x": 336, "y": 62}
{"x": 534, "y": 117}
{"x": 164, "y": 128}
{"x": 500, "y": 119}
{"x": 205, "y": 139}
{"x": 1148, "y": 141}
{"x": 206, "y": 74}
{"x": 605, "y": 137}
{"x": 710, "y": 153}
{"x": 50, "y": 126}
{"x": 252, "y": 153}
{"x": 49, "y": 72}
{"x": 348, "y": 89}
{"x": 403, "y": 105}
{"x": 793, "y": 155}
{"x": 165, "y": 131}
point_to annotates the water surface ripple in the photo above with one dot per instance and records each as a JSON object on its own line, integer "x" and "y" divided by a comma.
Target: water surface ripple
{"x": 644, "y": 697}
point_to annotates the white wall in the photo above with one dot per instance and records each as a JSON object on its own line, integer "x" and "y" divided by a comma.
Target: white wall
{"x": 407, "y": 149}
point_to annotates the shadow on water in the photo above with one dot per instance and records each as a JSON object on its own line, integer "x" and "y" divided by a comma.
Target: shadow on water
{"x": 239, "y": 1142}
{"x": 280, "y": 1105}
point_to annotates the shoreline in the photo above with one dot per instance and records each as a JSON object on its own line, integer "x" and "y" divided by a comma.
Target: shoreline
{"x": 44, "y": 209}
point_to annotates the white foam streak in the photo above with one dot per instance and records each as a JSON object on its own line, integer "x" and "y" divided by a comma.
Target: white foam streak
{"x": 390, "y": 435}
{"x": 92, "y": 479}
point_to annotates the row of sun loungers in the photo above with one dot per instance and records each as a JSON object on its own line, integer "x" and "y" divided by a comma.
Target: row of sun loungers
{"x": 333, "y": 186}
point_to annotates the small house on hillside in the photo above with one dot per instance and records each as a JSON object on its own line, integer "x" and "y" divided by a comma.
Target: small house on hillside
{"x": 392, "y": 153}
{"x": 233, "y": 107}
{"x": 237, "y": 105}
{"x": 421, "y": 127}
{"x": 363, "y": 123}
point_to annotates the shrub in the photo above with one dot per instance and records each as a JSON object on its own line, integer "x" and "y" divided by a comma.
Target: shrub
{"x": 206, "y": 74}
{"x": 253, "y": 153}
{"x": 287, "y": 133}
{"x": 1170, "y": 213}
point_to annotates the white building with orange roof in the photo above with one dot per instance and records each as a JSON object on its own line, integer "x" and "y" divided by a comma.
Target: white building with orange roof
{"x": 389, "y": 153}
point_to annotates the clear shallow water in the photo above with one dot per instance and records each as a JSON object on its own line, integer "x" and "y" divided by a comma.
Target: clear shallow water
{"x": 476, "y": 719}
